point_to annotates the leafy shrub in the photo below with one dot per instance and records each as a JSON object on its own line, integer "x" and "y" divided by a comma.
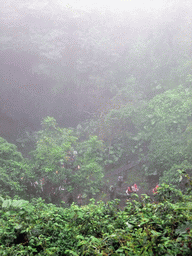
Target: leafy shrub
{"x": 13, "y": 169}
{"x": 144, "y": 227}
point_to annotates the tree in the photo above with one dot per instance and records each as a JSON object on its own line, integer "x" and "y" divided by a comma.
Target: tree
{"x": 174, "y": 174}
{"x": 51, "y": 154}
{"x": 60, "y": 161}
{"x": 14, "y": 170}
{"x": 90, "y": 156}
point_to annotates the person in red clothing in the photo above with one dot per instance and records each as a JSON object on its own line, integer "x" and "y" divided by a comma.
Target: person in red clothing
{"x": 135, "y": 187}
{"x": 155, "y": 189}
{"x": 129, "y": 190}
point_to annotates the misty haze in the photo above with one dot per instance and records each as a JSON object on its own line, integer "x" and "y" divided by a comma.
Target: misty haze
{"x": 96, "y": 127}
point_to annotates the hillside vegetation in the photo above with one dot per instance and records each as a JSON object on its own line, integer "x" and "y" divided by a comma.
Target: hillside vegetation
{"x": 88, "y": 96}
{"x": 142, "y": 228}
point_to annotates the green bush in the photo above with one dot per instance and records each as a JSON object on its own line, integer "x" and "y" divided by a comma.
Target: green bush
{"x": 13, "y": 170}
{"x": 144, "y": 227}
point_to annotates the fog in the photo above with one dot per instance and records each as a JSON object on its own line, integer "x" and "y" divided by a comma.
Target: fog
{"x": 68, "y": 59}
{"x": 95, "y": 105}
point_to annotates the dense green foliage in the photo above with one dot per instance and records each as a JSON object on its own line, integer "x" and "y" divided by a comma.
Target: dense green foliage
{"x": 53, "y": 162}
{"x": 13, "y": 169}
{"x": 142, "y": 228}
{"x": 52, "y": 146}
{"x": 157, "y": 130}
{"x": 126, "y": 89}
{"x": 129, "y": 90}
